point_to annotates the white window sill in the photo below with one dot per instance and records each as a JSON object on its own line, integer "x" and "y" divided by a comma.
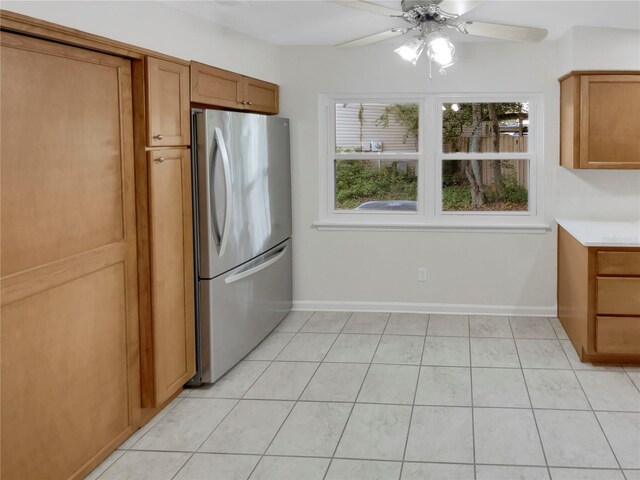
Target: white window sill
{"x": 431, "y": 227}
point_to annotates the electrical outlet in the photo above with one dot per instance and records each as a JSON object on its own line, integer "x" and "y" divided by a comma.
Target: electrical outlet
{"x": 422, "y": 274}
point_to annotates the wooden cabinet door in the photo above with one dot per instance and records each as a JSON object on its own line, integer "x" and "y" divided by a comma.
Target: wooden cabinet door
{"x": 70, "y": 359}
{"x": 610, "y": 121}
{"x": 260, "y": 96}
{"x": 172, "y": 282}
{"x": 213, "y": 86}
{"x": 168, "y": 104}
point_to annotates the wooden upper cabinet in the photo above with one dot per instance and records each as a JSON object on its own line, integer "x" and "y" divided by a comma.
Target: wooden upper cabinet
{"x": 213, "y": 86}
{"x": 167, "y": 85}
{"x": 221, "y": 88}
{"x": 260, "y": 96}
{"x": 600, "y": 120}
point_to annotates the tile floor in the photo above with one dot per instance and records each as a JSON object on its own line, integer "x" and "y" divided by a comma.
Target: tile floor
{"x": 335, "y": 395}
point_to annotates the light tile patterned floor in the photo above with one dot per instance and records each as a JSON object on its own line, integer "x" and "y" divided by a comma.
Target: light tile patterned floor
{"x": 339, "y": 396}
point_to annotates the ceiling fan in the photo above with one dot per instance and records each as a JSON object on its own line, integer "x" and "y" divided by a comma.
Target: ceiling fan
{"x": 430, "y": 18}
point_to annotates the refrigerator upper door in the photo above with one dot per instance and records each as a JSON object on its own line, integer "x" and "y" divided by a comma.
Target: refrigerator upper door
{"x": 244, "y": 187}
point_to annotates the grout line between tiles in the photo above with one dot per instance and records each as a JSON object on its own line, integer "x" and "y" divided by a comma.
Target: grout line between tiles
{"x": 205, "y": 440}
{"x": 301, "y": 392}
{"x": 386, "y": 460}
{"x": 238, "y": 400}
{"x": 415, "y": 365}
{"x": 413, "y": 404}
{"x": 486, "y": 407}
{"x": 473, "y": 418}
{"x": 533, "y": 413}
{"x": 353, "y": 405}
{"x": 159, "y": 417}
{"x": 594, "y": 414}
{"x": 629, "y": 377}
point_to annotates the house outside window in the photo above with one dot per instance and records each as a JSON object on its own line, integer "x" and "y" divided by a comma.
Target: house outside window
{"x": 431, "y": 161}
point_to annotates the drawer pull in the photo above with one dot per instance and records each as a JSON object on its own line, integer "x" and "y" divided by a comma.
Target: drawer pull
{"x": 249, "y": 103}
{"x": 157, "y": 137}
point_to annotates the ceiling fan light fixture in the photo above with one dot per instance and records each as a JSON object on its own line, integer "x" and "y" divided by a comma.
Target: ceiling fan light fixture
{"x": 412, "y": 50}
{"x": 440, "y": 49}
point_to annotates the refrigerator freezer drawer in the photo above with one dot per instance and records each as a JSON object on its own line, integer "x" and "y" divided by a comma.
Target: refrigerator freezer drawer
{"x": 238, "y": 309}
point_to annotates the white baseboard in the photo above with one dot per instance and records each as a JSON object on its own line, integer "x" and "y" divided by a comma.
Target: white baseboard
{"x": 450, "y": 308}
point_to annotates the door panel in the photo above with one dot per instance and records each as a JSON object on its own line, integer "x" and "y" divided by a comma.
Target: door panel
{"x": 73, "y": 203}
{"x": 69, "y": 333}
{"x": 238, "y": 309}
{"x": 259, "y": 216}
{"x": 172, "y": 270}
{"x": 608, "y": 138}
{"x": 61, "y": 391}
{"x": 213, "y": 86}
{"x": 261, "y": 96}
{"x": 168, "y": 103}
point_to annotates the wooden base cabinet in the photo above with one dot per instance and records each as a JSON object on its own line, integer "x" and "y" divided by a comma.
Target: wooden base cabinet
{"x": 599, "y": 299}
{"x": 600, "y": 120}
{"x": 171, "y": 260}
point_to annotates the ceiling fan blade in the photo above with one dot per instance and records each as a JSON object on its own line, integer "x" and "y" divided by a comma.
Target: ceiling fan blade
{"x": 368, "y": 7}
{"x": 376, "y": 37}
{"x": 504, "y": 32}
{"x": 459, "y": 7}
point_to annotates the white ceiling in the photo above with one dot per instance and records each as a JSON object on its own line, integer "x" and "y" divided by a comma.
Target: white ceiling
{"x": 319, "y": 22}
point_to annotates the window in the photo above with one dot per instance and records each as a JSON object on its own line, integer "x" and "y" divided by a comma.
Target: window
{"x": 430, "y": 161}
{"x": 375, "y": 158}
{"x": 485, "y": 157}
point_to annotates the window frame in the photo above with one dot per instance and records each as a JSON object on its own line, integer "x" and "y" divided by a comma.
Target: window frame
{"x": 330, "y": 156}
{"x": 430, "y": 157}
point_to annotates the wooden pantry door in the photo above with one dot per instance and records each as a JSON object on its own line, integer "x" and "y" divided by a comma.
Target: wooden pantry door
{"x": 69, "y": 331}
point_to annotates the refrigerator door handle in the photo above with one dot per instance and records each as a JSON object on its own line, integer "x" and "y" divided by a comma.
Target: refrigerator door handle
{"x": 270, "y": 261}
{"x": 226, "y": 168}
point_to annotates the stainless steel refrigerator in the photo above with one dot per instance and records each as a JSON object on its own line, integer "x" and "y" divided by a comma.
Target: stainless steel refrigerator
{"x": 242, "y": 205}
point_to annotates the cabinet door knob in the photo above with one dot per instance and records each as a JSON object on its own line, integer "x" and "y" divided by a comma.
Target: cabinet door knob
{"x": 157, "y": 137}
{"x": 159, "y": 159}
{"x": 249, "y": 103}
{"x": 243, "y": 102}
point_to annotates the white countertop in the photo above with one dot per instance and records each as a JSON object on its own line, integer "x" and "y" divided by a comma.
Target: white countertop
{"x": 593, "y": 233}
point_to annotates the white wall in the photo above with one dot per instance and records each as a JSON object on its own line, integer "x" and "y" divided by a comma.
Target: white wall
{"x": 467, "y": 272}
{"x": 159, "y": 27}
{"x": 591, "y": 194}
{"x": 475, "y": 272}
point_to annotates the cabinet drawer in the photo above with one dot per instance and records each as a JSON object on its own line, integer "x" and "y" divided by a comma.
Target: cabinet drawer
{"x": 618, "y": 296}
{"x": 618, "y": 334}
{"x": 618, "y": 263}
